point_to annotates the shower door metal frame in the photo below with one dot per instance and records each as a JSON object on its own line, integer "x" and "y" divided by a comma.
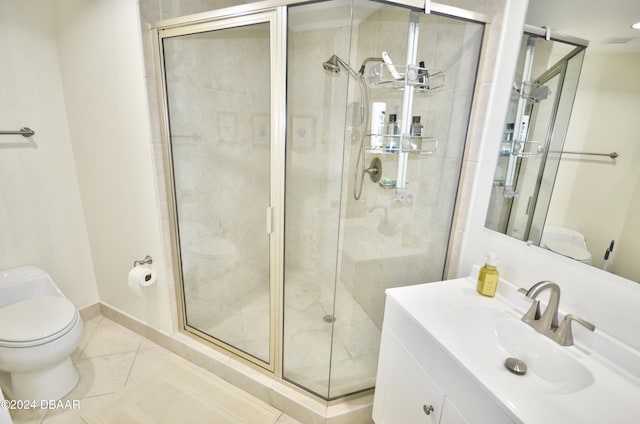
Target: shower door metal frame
{"x": 276, "y": 18}
{"x": 275, "y": 12}
{"x": 271, "y": 5}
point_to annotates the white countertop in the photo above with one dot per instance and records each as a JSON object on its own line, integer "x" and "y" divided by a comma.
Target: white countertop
{"x": 589, "y": 386}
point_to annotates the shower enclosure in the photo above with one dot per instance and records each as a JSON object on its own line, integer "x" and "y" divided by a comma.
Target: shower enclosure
{"x": 280, "y": 257}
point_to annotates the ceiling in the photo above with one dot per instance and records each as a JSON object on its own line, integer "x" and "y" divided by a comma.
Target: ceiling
{"x": 593, "y": 20}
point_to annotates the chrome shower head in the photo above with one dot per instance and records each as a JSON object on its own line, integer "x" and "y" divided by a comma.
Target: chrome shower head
{"x": 334, "y": 63}
{"x": 331, "y": 65}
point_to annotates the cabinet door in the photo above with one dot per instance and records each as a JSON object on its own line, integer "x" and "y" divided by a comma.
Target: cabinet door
{"x": 451, "y": 415}
{"x": 410, "y": 396}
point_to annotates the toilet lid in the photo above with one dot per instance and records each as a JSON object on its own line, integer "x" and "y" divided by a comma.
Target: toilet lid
{"x": 35, "y": 319}
{"x": 569, "y": 250}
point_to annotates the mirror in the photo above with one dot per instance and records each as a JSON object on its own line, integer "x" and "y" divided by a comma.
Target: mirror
{"x": 567, "y": 177}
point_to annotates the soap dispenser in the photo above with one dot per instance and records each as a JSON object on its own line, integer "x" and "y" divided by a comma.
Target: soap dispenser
{"x": 488, "y": 276}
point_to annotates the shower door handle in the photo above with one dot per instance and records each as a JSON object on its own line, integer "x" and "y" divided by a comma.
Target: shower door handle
{"x": 269, "y": 219}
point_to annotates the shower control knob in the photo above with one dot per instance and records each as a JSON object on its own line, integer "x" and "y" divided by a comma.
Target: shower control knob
{"x": 428, "y": 409}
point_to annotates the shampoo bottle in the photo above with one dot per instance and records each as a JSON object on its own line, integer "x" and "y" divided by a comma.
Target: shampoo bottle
{"x": 416, "y": 129}
{"x": 393, "y": 129}
{"x": 378, "y": 110}
{"x": 488, "y": 277}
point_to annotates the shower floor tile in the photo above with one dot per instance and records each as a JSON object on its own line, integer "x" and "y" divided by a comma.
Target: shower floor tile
{"x": 327, "y": 358}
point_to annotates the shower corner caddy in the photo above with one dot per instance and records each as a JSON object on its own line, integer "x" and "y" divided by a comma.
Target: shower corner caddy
{"x": 421, "y": 80}
{"x": 406, "y": 144}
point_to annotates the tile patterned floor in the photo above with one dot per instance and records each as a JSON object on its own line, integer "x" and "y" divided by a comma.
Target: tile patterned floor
{"x": 109, "y": 358}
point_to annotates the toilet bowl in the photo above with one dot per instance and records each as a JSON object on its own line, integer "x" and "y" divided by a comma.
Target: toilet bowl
{"x": 567, "y": 242}
{"x": 39, "y": 329}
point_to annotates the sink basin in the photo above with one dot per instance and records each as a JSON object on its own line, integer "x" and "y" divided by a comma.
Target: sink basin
{"x": 495, "y": 334}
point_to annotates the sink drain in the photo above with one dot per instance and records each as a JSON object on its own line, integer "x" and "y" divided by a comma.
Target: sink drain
{"x": 516, "y": 366}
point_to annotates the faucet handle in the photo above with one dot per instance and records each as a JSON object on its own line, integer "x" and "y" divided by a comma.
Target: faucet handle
{"x": 565, "y": 335}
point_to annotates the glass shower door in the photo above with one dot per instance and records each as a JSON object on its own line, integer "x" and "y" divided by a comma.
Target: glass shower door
{"x": 343, "y": 250}
{"x": 218, "y": 91}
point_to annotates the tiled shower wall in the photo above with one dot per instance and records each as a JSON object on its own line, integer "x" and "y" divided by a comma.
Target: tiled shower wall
{"x": 389, "y": 243}
{"x": 316, "y": 110}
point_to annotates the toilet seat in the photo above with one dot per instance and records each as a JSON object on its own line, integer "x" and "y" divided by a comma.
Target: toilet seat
{"x": 35, "y": 321}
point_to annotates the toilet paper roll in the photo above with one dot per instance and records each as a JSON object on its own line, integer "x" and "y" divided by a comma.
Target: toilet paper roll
{"x": 140, "y": 277}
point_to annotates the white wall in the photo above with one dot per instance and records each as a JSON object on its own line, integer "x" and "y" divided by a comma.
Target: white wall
{"x": 102, "y": 71}
{"x": 41, "y": 216}
{"x": 610, "y": 302}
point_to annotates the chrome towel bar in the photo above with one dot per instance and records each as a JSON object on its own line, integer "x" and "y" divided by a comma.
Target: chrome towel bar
{"x": 24, "y": 131}
{"x": 612, "y": 155}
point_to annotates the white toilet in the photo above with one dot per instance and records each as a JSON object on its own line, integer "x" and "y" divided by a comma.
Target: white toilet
{"x": 5, "y": 418}
{"x": 567, "y": 242}
{"x": 39, "y": 329}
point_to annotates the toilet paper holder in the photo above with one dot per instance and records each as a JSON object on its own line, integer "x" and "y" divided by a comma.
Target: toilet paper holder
{"x": 147, "y": 260}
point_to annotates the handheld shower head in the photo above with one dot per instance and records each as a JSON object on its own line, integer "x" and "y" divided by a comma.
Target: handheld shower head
{"x": 333, "y": 65}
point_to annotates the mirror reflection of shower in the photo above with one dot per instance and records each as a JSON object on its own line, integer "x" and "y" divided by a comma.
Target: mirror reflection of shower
{"x": 333, "y": 65}
{"x": 542, "y": 97}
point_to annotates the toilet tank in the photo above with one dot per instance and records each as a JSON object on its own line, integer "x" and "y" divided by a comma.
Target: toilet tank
{"x": 20, "y": 283}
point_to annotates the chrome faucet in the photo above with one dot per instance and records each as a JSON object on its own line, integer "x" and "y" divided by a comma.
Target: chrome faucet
{"x": 547, "y": 322}
{"x": 549, "y": 319}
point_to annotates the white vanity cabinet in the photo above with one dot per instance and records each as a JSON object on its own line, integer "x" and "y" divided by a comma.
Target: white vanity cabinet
{"x": 451, "y": 415}
{"x": 442, "y": 360}
{"x": 407, "y": 393}
{"x": 419, "y": 382}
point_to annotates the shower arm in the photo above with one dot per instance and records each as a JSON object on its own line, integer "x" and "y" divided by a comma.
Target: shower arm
{"x": 347, "y": 67}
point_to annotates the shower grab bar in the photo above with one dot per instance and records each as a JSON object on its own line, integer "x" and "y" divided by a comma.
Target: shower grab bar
{"x": 24, "y": 131}
{"x": 612, "y": 155}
